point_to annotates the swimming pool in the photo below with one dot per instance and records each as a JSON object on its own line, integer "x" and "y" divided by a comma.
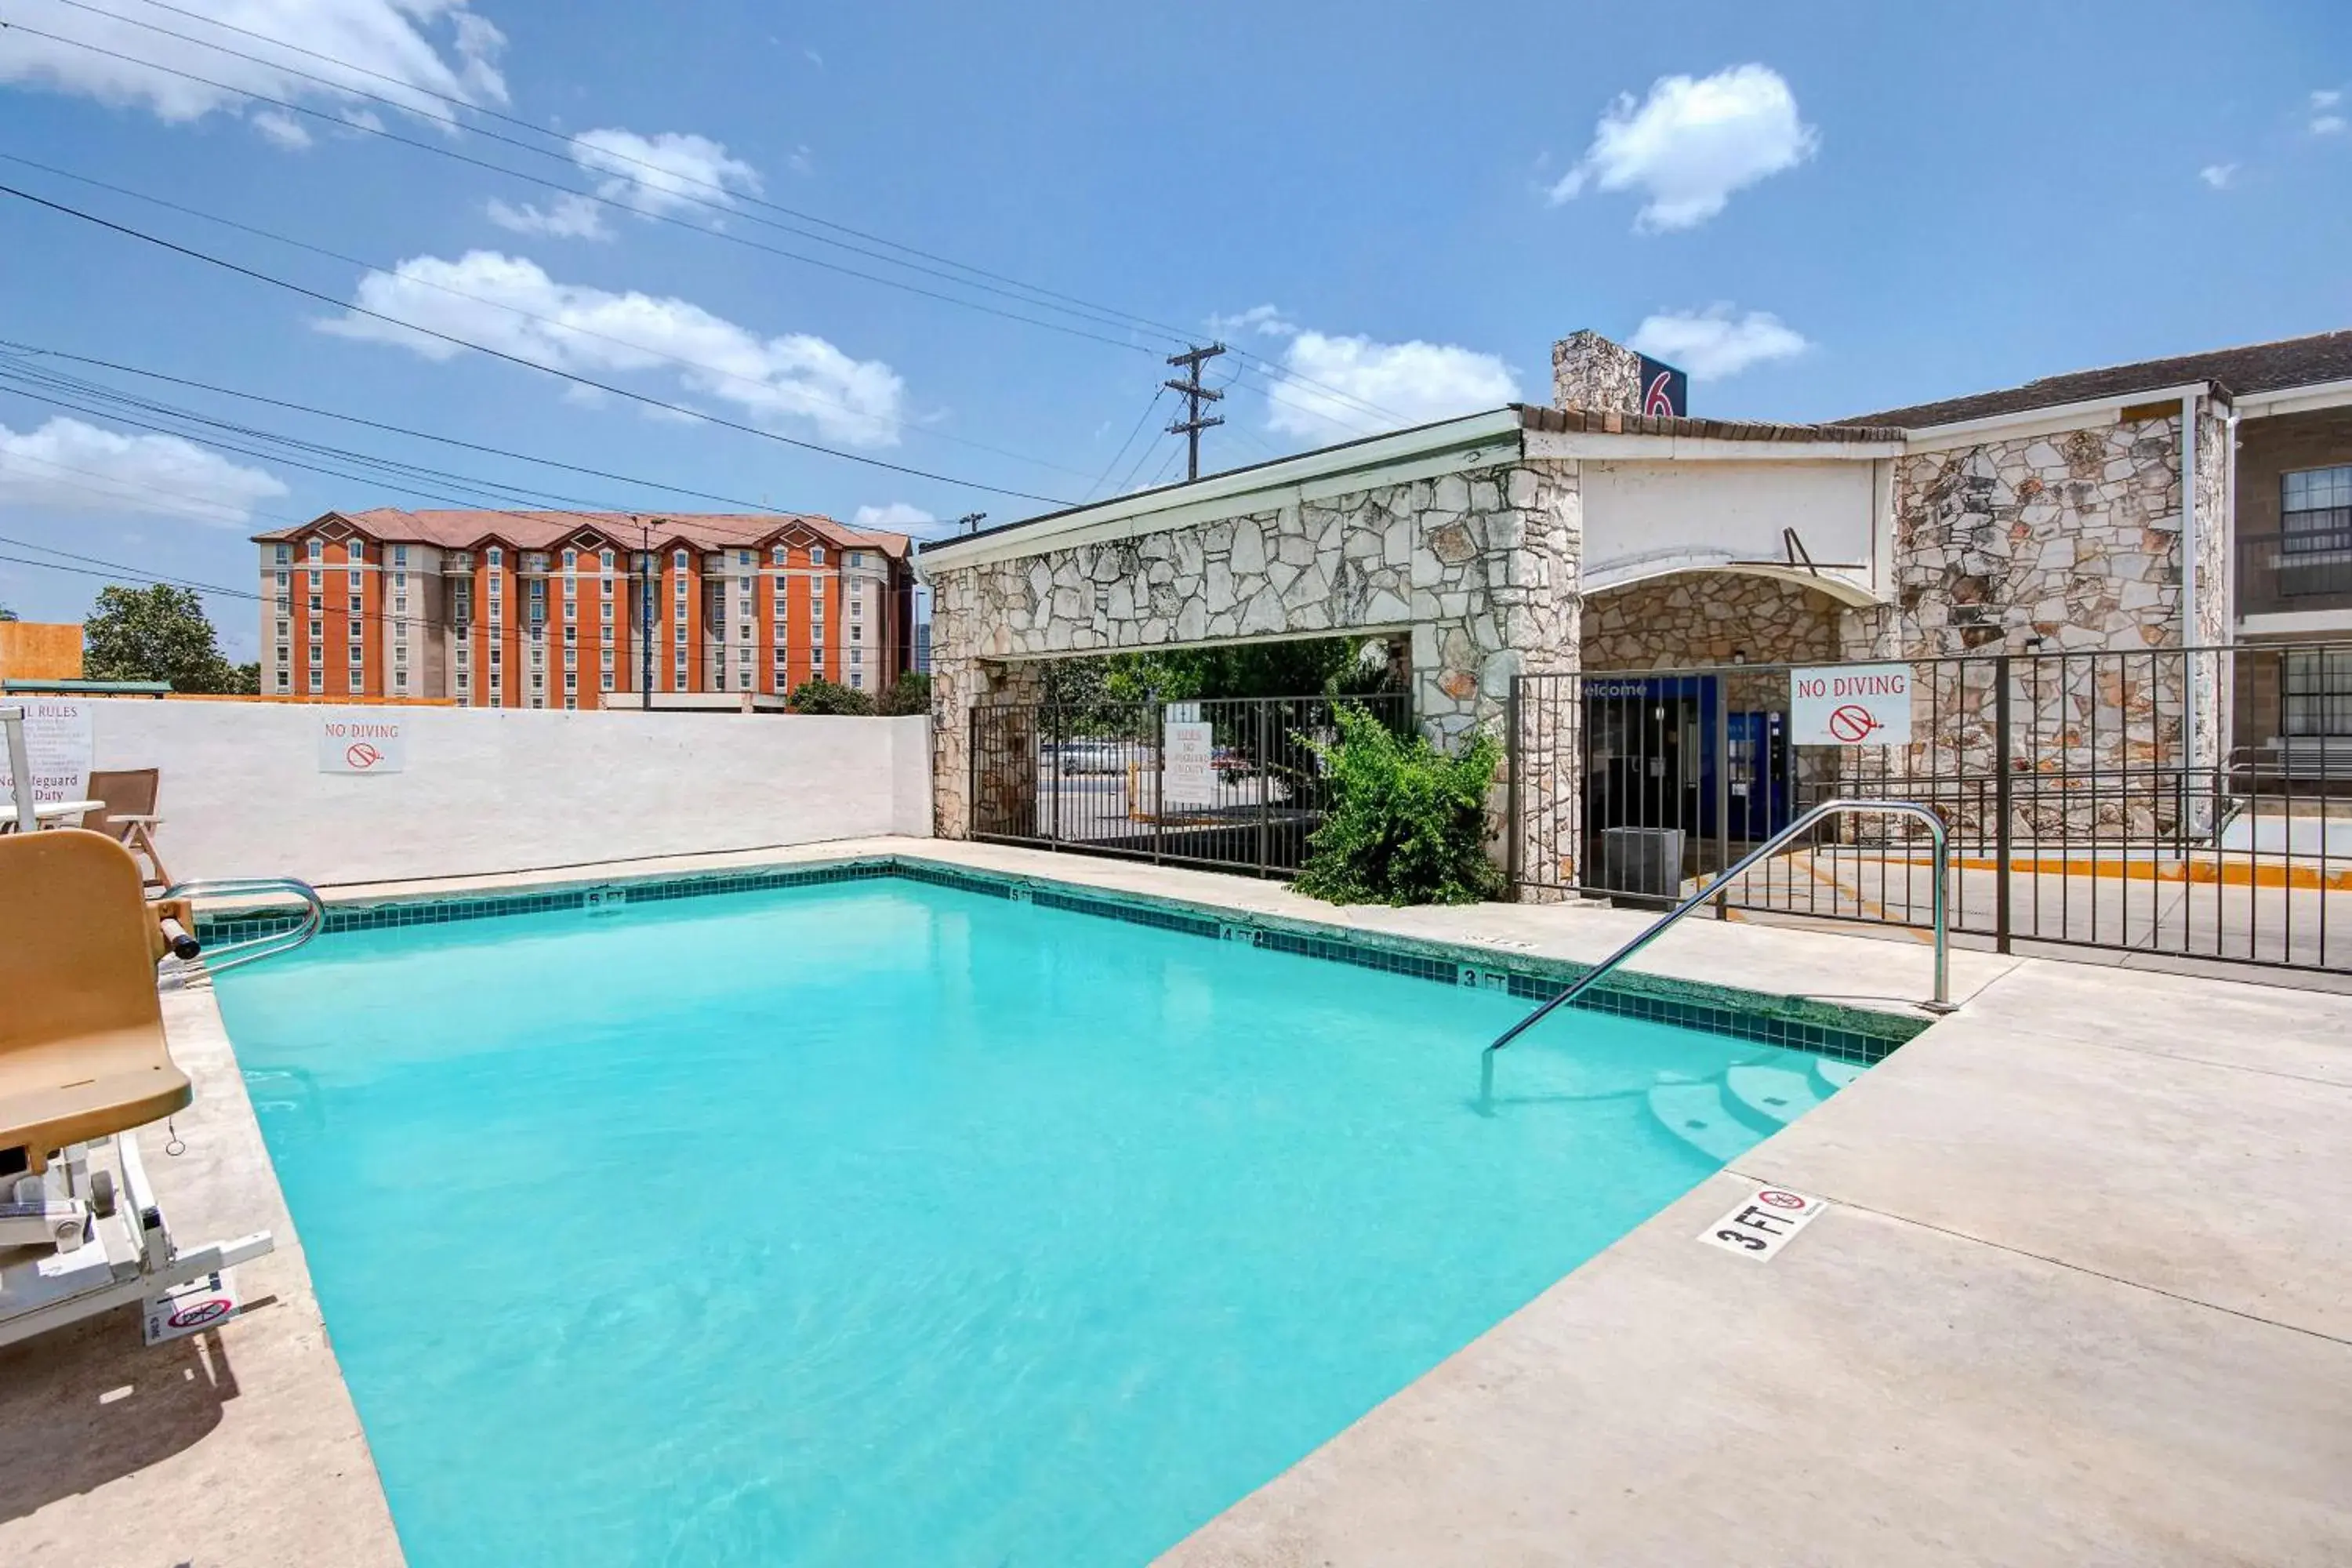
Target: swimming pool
{"x": 886, "y": 1222}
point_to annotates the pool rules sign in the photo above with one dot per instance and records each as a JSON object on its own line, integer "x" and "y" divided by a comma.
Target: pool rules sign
{"x": 1850, "y": 705}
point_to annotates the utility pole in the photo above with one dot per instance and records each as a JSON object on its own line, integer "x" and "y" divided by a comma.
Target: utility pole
{"x": 969, "y": 521}
{"x": 1195, "y": 396}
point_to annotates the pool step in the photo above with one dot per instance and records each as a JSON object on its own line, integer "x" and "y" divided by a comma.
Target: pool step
{"x": 1768, "y": 1098}
{"x": 1722, "y": 1118}
{"x": 1695, "y": 1113}
{"x": 1832, "y": 1075}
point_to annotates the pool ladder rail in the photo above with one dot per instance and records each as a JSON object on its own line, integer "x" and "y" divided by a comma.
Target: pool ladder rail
{"x": 1937, "y": 832}
{"x": 252, "y": 950}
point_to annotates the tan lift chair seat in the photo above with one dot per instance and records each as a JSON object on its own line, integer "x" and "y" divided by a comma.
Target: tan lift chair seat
{"x": 81, "y": 1033}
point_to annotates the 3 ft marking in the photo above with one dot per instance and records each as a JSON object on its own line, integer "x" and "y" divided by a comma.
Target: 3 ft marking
{"x": 1762, "y": 1223}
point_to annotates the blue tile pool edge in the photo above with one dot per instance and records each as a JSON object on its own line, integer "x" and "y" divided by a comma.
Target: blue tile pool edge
{"x": 1847, "y": 1033}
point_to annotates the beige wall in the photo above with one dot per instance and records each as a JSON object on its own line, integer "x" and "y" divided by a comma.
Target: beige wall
{"x": 502, "y": 790}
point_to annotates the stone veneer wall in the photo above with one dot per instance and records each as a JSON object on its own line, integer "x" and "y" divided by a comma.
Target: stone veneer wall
{"x": 1482, "y": 567}
{"x": 1588, "y": 370}
{"x": 1706, "y": 617}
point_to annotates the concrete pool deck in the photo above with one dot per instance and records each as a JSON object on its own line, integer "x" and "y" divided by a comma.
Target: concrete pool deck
{"x": 2084, "y": 1295}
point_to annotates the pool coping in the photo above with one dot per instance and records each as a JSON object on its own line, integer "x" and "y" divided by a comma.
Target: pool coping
{"x": 1861, "y": 1034}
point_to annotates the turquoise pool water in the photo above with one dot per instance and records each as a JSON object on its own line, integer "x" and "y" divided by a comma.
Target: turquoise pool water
{"x": 885, "y": 1223}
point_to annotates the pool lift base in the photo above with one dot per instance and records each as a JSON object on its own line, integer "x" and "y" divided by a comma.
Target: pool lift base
{"x": 79, "y": 1240}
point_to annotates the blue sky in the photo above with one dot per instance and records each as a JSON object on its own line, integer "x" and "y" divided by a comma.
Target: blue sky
{"x": 1819, "y": 211}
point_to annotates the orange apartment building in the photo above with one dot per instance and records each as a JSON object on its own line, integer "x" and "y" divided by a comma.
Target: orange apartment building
{"x": 526, "y": 609}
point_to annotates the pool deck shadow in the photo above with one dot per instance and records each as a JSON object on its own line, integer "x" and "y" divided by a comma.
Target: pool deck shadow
{"x": 2083, "y": 1296}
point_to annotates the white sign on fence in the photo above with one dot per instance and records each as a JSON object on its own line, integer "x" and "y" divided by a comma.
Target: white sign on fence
{"x": 1850, "y": 705}
{"x": 57, "y": 750}
{"x": 1188, "y": 767}
{"x": 361, "y": 742}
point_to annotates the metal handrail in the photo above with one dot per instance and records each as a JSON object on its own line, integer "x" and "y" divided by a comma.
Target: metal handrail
{"x": 1828, "y": 808}
{"x": 253, "y": 950}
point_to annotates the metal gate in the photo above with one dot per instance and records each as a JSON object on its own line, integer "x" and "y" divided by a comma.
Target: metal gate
{"x": 2187, "y": 802}
{"x": 1094, "y": 778}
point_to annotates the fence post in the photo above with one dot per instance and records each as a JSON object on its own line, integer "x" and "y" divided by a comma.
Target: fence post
{"x": 1512, "y": 742}
{"x": 1158, "y": 754}
{"x": 1052, "y": 752}
{"x": 1722, "y": 791}
{"x": 1263, "y": 754}
{"x": 2003, "y": 840}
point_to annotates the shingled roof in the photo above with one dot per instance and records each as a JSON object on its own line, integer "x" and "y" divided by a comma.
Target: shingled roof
{"x": 1611, "y": 422}
{"x": 462, "y": 529}
{"x": 2239, "y": 371}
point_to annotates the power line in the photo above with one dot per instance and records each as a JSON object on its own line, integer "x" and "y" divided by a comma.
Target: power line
{"x": 729, "y": 201}
{"x": 568, "y": 327}
{"x": 1140, "y": 420}
{"x": 375, "y": 425}
{"x": 571, "y": 376}
{"x": 1084, "y": 310}
{"x": 1195, "y": 396}
{"x": 290, "y": 106}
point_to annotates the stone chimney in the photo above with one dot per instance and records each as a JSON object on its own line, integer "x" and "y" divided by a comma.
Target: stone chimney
{"x": 1589, "y": 372}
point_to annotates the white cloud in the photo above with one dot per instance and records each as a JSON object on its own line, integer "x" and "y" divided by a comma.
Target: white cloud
{"x": 284, "y": 129}
{"x": 1692, "y": 142}
{"x": 70, "y": 465}
{"x": 662, "y": 172}
{"x": 1262, "y": 319}
{"x": 424, "y": 46}
{"x": 2218, "y": 175}
{"x": 594, "y": 332}
{"x": 1715, "y": 343}
{"x": 565, "y": 217}
{"x": 2327, "y": 125}
{"x": 896, "y": 518}
{"x": 1326, "y": 383}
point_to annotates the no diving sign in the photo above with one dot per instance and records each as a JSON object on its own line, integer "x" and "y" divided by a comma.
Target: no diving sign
{"x": 1762, "y": 1223}
{"x": 1850, "y": 705}
{"x": 192, "y": 1307}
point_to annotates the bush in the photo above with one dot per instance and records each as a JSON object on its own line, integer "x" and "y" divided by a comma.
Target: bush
{"x": 912, "y": 694}
{"x": 1407, "y": 824}
{"x": 831, "y": 697}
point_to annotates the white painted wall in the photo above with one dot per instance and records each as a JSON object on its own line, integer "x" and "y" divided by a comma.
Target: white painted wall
{"x": 1643, "y": 518}
{"x": 487, "y": 790}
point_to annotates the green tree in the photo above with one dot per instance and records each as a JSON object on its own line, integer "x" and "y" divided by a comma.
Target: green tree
{"x": 821, "y": 696}
{"x": 159, "y": 633}
{"x": 912, "y": 694}
{"x": 1407, "y": 823}
{"x": 7, "y": 614}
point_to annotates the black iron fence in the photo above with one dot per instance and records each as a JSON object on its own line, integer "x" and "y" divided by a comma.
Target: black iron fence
{"x": 1234, "y": 784}
{"x": 2187, "y": 802}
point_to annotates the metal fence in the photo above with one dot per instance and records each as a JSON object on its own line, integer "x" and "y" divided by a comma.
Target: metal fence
{"x": 1098, "y": 778}
{"x": 2187, "y": 802}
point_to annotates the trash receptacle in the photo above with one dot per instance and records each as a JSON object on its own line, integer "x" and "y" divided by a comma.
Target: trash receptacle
{"x": 1646, "y": 861}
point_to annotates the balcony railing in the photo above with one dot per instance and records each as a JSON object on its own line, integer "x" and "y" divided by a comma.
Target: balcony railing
{"x": 2306, "y": 569}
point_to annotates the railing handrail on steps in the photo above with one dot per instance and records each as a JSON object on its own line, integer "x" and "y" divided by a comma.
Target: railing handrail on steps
{"x": 255, "y": 949}
{"x": 1937, "y": 833}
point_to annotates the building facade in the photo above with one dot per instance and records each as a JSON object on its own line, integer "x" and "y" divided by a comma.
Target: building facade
{"x": 2170, "y": 506}
{"x": 489, "y": 609}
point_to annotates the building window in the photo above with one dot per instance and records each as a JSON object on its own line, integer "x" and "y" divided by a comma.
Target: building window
{"x": 605, "y": 614}
{"x": 677, "y": 559}
{"x": 357, "y": 683}
{"x": 281, "y": 628}
{"x": 400, "y": 556}
{"x": 608, "y": 681}
{"x": 2315, "y": 511}
{"x": 856, "y": 677}
{"x": 816, "y": 657}
{"x": 605, "y": 658}
{"x": 495, "y": 556}
{"x": 285, "y": 681}
{"x": 465, "y": 655}
{"x": 606, "y": 560}
{"x": 816, "y": 555}
{"x": 856, "y": 657}
{"x": 680, "y": 633}
{"x": 284, "y": 653}
{"x": 318, "y": 551}
{"x": 285, "y": 580}
{"x": 400, "y": 680}
{"x": 285, "y": 554}
{"x": 357, "y": 655}
{"x": 356, "y": 607}
{"x": 570, "y": 559}
{"x": 856, "y": 634}
{"x": 2316, "y": 691}
{"x": 317, "y": 580}
{"x": 779, "y": 555}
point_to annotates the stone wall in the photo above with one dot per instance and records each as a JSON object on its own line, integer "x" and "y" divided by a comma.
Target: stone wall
{"x": 1588, "y": 370}
{"x": 1709, "y": 617}
{"x": 1481, "y": 567}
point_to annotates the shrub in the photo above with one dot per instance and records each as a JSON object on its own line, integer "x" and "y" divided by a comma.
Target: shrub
{"x": 912, "y": 694}
{"x": 831, "y": 697}
{"x": 1407, "y": 824}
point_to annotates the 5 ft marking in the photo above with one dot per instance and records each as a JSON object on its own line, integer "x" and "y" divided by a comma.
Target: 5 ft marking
{"x": 1763, "y": 1221}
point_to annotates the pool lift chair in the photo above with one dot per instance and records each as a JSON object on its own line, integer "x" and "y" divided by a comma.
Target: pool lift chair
{"x": 83, "y": 1065}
